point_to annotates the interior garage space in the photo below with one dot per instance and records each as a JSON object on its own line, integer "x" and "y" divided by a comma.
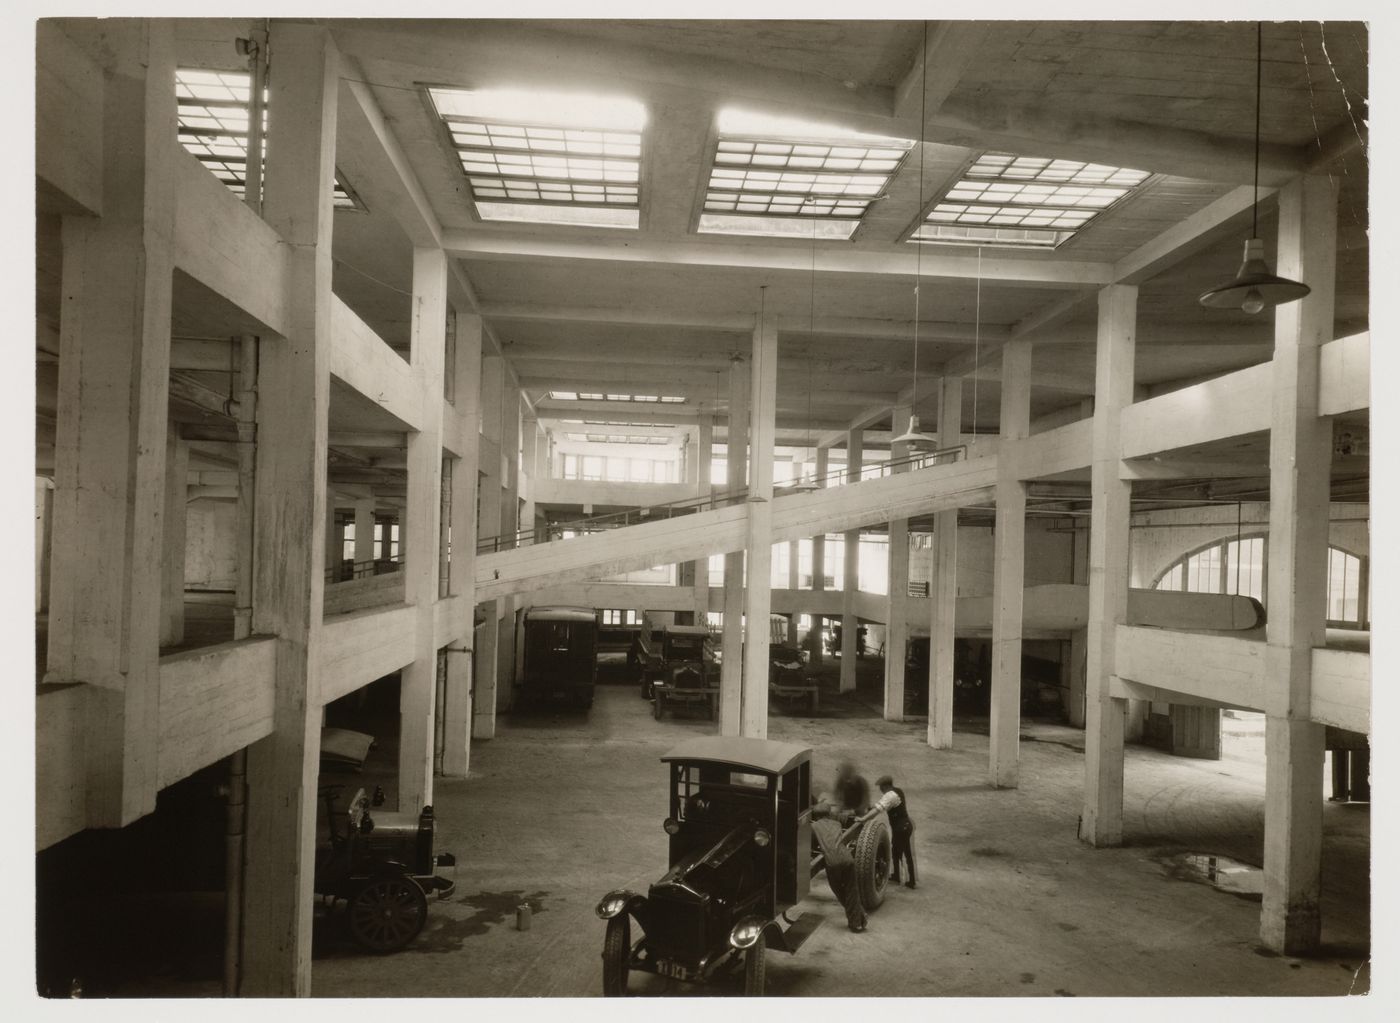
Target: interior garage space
{"x": 583, "y": 507}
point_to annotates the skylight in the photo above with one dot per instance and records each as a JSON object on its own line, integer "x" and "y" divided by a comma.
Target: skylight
{"x": 547, "y": 157}
{"x": 771, "y": 175}
{"x": 212, "y": 119}
{"x": 614, "y": 438}
{"x": 664, "y": 399}
{"x": 1026, "y": 201}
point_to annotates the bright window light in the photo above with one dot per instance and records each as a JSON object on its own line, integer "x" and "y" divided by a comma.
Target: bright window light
{"x": 547, "y": 157}
{"x": 668, "y": 399}
{"x": 212, "y": 119}
{"x": 1024, "y": 201}
{"x": 748, "y": 122}
{"x": 777, "y": 227}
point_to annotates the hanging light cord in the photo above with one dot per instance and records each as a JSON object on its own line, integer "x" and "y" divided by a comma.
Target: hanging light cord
{"x": 976, "y": 346}
{"x": 811, "y": 331}
{"x": 1259, "y": 86}
{"x": 919, "y": 245}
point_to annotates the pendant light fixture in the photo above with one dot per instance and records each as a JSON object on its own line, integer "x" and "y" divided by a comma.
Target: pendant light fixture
{"x": 913, "y": 435}
{"x": 1254, "y": 288}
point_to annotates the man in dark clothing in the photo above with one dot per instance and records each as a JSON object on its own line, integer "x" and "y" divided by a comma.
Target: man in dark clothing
{"x": 840, "y": 864}
{"x": 851, "y": 788}
{"x": 902, "y": 828}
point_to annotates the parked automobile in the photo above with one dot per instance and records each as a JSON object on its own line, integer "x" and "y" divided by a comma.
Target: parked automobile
{"x": 383, "y": 866}
{"x": 788, "y": 680}
{"x": 560, "y": 656}
{"x": 741, "y": 855}
{"x": 681, "y": 669}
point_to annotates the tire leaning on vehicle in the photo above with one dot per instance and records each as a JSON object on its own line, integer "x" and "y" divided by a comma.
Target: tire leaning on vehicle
{"x": 755, "y": 969}
{"x": 873, "y": 860}
{"x": 617, "y": 949}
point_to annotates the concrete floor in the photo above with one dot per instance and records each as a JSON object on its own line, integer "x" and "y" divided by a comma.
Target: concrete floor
{"x": 561, "y": 808}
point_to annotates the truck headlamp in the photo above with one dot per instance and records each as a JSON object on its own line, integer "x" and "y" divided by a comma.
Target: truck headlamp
{"x": 612, "y": 904}
{"x": 761, "y": 838}
{"x": 670, "y": 825}
{"x": 747, "y": 933}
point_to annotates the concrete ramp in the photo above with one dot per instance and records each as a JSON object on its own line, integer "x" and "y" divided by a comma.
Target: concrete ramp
{"x": 721, "y": 530}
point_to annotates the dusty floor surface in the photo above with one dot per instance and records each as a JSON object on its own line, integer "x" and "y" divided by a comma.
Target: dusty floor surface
{"x": 560, "y": 808}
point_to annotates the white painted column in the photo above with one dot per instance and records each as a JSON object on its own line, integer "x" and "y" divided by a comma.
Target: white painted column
{"x": 737, "y": 453}
{"x": 530, "y": 440}
{"x": 172, "y": 589}
{"x": 1300, "y": 462}
{"x": 897, "y": 600}
{"x": 1009, "y": 568}
{"x": 457, "y": 697}
{"x": 492, "y": 400}
{"x": 823, "y": 460}
{"x": 289, "y": 548}
{"x": 943, "y": 591}
{"x": 110, "y": 443}
{"x": 418, "y": 680}
{"x": 332, "y": 548}
{"x": 855, "y": 452}
{"x": 1109, "y": 548}
{"x": 701, "y": 566}
{"x": 364, "y": 531}
{"x": 793, "y": 584}
{"x": 510, "y": 524}
{"x": 1078, "y": 638}
{"x": 758, "y": 551}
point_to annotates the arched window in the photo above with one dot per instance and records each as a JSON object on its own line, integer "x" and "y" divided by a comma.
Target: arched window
{"x": 1239, "y": 567}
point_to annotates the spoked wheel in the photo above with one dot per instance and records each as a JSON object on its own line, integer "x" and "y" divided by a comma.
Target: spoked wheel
{"x": 386, "y": 913}
{"x": 617, "y": 949}
{"x": 873, "y": 859}
{"x": 754, "y": 969}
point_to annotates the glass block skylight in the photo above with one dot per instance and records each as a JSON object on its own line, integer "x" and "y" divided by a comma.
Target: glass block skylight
{"x": 665, "y": 399}
{"x": 212, "y": 119}
{"x": 771, "y": 172}
{"x": 615, "y": 438}
{"x": 1004, "y": 199}
{"x": 547, "y": 159}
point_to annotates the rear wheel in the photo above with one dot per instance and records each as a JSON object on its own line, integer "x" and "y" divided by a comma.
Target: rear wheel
{"x": 617, "y": 949}
{"x": 873, "y": 859}
{"x": 754, "y": 969}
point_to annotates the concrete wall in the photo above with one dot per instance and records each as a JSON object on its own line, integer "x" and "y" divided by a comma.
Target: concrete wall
{"x": 1048, "y": 558}
{"x": 209, "y": 545}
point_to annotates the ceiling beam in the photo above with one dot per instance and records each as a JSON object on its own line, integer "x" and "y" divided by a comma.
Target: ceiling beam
{"x": 936, "y": 265}
{"x": 1182, "y": 240}
{"x": 952, "y": 46}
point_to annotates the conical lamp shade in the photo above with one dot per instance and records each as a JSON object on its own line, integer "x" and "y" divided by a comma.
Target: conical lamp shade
{"x": 1254, "y": 288}
{"x": 913, "y": 434}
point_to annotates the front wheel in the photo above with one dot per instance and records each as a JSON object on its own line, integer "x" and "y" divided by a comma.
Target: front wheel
{"x": 617, "y": 949}
{"x": 754, "y": 969}
{"x": 387, "y": 912}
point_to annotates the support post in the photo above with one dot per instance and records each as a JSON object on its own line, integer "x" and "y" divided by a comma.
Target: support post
{"x": 1079, "y": 638}
{"x": 493, "y": 382}
{"x": 758, "y": 551}
{"x": 823, "y": 460}
{"x": 1009, "y": 568}
{"x": 700, "y": 571}
{"x": 1300, "y": 464}
{"x": 418, "y": 680}
{"x": 944, "y": 591}
{"x": 737, "y": 453}
{"x": 897, "y": 600}
{"x": 172, "y": 589}
{"x": 110, "y": 439}
{"x": 850, "y": 624}
{"x": 364, "y": 531}
{"x": 289, "y": 584}
{"x": 457, "y": 698}
{"x": 1105, "y": 717}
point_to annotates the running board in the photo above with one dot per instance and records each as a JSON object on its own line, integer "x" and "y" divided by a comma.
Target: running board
{"x": 795, "y": 936}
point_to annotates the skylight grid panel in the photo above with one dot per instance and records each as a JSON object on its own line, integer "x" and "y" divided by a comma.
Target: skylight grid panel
{"x": 212, "y": 85}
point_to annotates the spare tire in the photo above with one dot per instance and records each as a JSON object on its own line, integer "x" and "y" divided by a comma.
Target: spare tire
{"x": 873, "y": 860}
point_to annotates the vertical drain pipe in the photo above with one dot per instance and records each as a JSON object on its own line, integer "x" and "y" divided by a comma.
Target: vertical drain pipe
{"x": 236, "y": 811}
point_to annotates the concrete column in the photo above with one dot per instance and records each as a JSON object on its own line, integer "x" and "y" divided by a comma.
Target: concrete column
{"x": 487, "y": 647}
{"x": 43, "y": 542}
{"x": 289, "y": 548}
{"x": 700, "y": 568}
{"x": 819, "y": 558}
{"x": 1078, "y": 638}
{"x": 943, "y": 592}
{"x": 793, "y": 585}
{"x": 1009, "y": 568}
{"x": 855, "y": 448}
{"x": 172, "y": 568}
{"x": 758, "y": 551}
{"x": 897, "y": 601}
{"x": 457, "y": 696}
{"x": 364, "y": 531}
{"x": 418, "y": 680}
{"x": 511, "y": 423}
{"x": 1300, "y": 464}
{"x": 530, "y": 438}
{"x": 110, "y": 442}
{"x": 737, "y": 453}
{"x": 1109, "y": 549}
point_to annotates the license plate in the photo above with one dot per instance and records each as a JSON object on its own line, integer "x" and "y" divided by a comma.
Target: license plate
{"x": 669, "y": 969}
